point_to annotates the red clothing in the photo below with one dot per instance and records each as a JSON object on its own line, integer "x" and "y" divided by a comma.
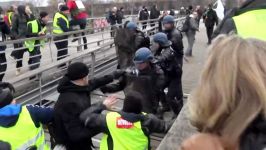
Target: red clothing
{"x": 72, "y": 6}
{"x": 6, "y": 20}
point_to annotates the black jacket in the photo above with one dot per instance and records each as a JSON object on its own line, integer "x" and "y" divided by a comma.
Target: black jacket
{"x": 94, "y": 120}
{"x": 143, "y": 15}
{"x": 175, "y": 37}
{"x": 120, "y": 16}
{"x": 155, "y": 13}
{"x": 72, "y": 100}
{"x": 166, "y": 58}
{"x": 254, "y": 138}
{"x": 4, "y": 30}
{"x": 210, "y": 18}
{"x": 112, "y": 18}
{"x": 147, "y": 82}
{"x": 19, "y": 23}
{"x": 227, "y": 25}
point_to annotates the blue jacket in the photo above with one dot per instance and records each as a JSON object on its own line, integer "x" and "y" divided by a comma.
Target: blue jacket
{"x": 9, "y": 115}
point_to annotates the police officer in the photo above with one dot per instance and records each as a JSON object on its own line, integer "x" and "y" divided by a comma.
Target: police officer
{"x": 145, "y": 77}
{"x": 236, "y": 20}
{"x": 170, "y": 63}
{"x": 4, "y": 30}
{"x": 61, "y": 25}
{"x": 21, "y": 126}
{"x": 128, "y": 129}
{"x": 127, "y": 41}
{"x": 141, "y": 40}
{"x": 175, "y": 37}
{"x": 36, "y": 28}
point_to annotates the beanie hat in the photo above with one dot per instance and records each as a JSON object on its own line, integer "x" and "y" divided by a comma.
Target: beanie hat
{"x": 6, "y": 97}
{"x": 133, "y": 103}
{"x": 43, "y": 14}
{"x": 77, "y": 71}
{"x": 63, "y": 8}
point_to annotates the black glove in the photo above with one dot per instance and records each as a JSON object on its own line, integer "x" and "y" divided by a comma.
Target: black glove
{"x": 5, "y": 145}
{"x": 7, "y": 85}
{"x": 118, "y": 73}
{"x": 104, "y": 89}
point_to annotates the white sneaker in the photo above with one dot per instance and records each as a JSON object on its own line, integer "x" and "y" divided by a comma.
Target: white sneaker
{"x": 18, "y": 72}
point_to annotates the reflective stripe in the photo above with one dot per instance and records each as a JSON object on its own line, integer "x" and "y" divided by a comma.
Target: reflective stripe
{"x": 32, "y": 141}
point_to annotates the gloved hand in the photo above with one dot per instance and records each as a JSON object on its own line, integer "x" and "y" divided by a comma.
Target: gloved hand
{"x": 7, "y": 85}
{"x": 5, "y": 145}
{"x": 118, "y": 73}
{"x": 104, "y": 89}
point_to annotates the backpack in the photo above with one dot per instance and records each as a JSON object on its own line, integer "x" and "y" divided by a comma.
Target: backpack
{"x": 186, "y": 25}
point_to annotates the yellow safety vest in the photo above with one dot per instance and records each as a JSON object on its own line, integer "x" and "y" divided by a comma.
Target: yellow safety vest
{"x": 251, "y": 24}
{"x": 24, "y": 134}
{"x": 10, "y": 15}
{"x": 30, "y": 44}
{"x": 56, "y": 28}
{"x": 124, "y": 135}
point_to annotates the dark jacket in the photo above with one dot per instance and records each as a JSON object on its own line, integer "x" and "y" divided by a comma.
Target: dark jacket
{"x": 74, "y": 99}
{"x": 112, "y": 18}
{"x": 210, "y": 18}
{"x": 147, "y": 82}
{"x": 254, "y": 138}
{"x": 155, "y": 13}
{"x": 120, "y": 16}
{"x": 93, "y": 119}
{"x": 166, "y": 58}
{"x": 227, "y": 25}
{"x": 9, "y": 115}
{"x": 141, "y": 40}
{"x": 172, "y": 12}
{"x": 4, "y": 30}
{"x": 19, "y": 23}
{"x": 143, "y": 15}
{"x": 175, "y": 37}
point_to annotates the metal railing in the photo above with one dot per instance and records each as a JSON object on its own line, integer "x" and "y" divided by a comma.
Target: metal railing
{"x": 99, "y": 57}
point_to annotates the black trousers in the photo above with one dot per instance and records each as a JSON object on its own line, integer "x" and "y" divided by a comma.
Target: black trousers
{"x": 62, "y": 47}
{"x": 3, "y": 65}
{"x": 174, "y": 96}
{"x": 18, "y": 54}
{"x": 35, "y": 58}
{"x": 82, "y": 24}
{"x": 209, "y": 33}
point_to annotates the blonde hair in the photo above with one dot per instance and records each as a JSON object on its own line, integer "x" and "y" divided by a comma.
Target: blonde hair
{"x": 232, "y": 89}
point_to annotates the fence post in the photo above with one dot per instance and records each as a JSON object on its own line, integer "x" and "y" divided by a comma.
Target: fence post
{"x": 93, "y": 61}
{"x": 79, "y": 48}
{"x": 40, "y": 87}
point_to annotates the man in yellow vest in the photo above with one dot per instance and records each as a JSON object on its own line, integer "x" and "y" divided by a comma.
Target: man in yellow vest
{"x": 36, "y": 28}
{"x": 128, "y": 129}
{"x": 21, "y": 126}
{"x": 248, "y": 21}
{"x": 61, "y": 25}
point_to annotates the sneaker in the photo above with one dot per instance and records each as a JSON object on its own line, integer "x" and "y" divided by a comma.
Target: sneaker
{"x": 18, "y": 72}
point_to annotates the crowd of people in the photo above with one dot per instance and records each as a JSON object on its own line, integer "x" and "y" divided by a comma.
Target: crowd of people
{"x": 227, "y": 106}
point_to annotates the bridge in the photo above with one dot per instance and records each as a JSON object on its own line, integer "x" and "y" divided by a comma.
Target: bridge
{"x": 101, "y": 58}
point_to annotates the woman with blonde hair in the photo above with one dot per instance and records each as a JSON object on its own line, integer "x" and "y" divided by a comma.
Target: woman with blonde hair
{"x": 230, "y": 100}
